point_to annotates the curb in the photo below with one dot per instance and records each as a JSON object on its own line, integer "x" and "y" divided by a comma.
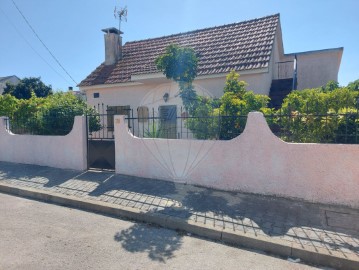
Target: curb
{"x": 318, "y": 256}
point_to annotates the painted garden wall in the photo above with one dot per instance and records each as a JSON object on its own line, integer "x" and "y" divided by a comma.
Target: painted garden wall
{"x": 66, "y": 152}
{"x": 256, "y": 162}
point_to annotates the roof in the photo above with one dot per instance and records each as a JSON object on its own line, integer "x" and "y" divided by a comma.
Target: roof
{"x": 240, "y": 46}
{"x": 3, "y": 79}
{"x": 339, "y": 50}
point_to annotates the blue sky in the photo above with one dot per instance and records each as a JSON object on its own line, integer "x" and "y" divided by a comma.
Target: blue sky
{"x": 72, "y": 30}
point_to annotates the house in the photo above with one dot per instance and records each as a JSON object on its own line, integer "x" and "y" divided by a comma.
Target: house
{"x": 128, "y": 77}
{"x": 9, "y": 79}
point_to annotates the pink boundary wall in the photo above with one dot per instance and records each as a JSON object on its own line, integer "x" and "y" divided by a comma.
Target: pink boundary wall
{"x": 256, "y": 161}
{"x": 66, "y": 152}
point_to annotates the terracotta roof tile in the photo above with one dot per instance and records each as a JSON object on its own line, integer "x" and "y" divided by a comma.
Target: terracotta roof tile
{"x": 240, "y": 46}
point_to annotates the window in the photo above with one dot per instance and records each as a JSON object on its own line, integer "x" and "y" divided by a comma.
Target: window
{"x": 142, "y": 114}
{"x": 96, "y": 95}
{"x": 116, "y": 110}
{"x": 168, "y": 121}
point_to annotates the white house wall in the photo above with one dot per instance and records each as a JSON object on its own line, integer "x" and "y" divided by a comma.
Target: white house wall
{"x": 276, "y": 53}
{"x": 135, "y": 95}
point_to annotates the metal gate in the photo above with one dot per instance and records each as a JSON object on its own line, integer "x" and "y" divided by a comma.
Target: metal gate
{"x": 100, "y": 141}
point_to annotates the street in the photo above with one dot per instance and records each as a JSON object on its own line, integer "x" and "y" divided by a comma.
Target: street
{"x": 35, "y": 235}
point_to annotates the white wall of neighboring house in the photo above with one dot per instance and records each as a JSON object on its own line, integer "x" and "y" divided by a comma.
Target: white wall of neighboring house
{"x": 317, "y": 68}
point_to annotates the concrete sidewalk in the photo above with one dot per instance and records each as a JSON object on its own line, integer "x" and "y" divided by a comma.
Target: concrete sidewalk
{"x": 319, "y": 234}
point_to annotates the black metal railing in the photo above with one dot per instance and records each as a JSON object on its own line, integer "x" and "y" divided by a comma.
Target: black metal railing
{"x": 184, "y": 126}
{"x": 285, "y": 70}
{"x": 290, "y": 126}
{"x": 40, "y": 123}
{"x": 313, "y": 126}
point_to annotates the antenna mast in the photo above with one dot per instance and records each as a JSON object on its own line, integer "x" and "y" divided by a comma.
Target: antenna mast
{"x": 121, "y": 15}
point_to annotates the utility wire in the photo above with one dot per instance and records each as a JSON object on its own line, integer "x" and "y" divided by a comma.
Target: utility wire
{"x": 28, "y": 43}
{"x": 33, "y": 30}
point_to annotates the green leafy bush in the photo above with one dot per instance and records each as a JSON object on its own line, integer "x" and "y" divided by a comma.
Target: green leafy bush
{"x": 327, "y": 114}
{"x": 226, "y": 118}
{"x": 53, "y": 115}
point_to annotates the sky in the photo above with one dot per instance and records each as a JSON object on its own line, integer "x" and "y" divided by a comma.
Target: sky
{"x": 71, "y": 30}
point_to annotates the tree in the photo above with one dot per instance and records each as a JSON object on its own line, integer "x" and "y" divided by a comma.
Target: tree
{"x": 58, "y": 112}
{"x": 235, "y": 104}
{"x": 330, "y": 86}
{"x": 26, "y": 86}
{"x": 8, "y": 105}
{"x": 53, "y": 115}
{"x": 320, "y": 114}
{"x": 226, "y": 118}
{"x": 234, "y": 85}
{"x": 180, "y": 65}
{"x": 354, "y": 85}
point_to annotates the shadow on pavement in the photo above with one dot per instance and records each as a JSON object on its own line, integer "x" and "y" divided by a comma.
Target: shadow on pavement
{"x": 273, "y": 216}
{"x": 135, "y": 184}
{"x": 159, "y": 243}
{"x": 47, "y": 176}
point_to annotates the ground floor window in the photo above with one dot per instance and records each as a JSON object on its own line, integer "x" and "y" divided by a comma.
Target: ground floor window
{"x": 116, "y": 110}
{"x": 168, "y": 121}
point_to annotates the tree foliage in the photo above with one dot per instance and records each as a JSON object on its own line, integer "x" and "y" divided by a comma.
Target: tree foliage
{"x": 354, "y": 85}
{"x": 27, "y": 86}
{"x": 53, "y": 115}
{"x": 226, "y": 118}
{"x": 326, "y": 114}
{"x": 8, "y": 105}
{"x": 180, "y": 64}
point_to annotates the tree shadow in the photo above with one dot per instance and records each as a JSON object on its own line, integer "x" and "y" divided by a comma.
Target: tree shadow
{"x": 47, "y": 176}
{"x": 159, "y": 243}
{"x": 135, "y": 184}
{"x": 274, "y": 216}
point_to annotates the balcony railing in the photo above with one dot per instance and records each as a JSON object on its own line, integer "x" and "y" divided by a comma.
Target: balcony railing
{"x": 284, "y": 70}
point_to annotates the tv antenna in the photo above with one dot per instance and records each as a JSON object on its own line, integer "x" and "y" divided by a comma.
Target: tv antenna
{"x": 121, "y": 15}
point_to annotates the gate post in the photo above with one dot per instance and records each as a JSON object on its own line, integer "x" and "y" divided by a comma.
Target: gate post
{"x": 83, "y": 135}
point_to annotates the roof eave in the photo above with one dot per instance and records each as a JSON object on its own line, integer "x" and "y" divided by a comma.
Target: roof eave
{"x": 339, "y": 50}
{"x": 109, "y": 85}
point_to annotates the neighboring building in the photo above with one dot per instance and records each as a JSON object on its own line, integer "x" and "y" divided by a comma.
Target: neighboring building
{"x": 9, "y": 79}
{"x": 128, "y": 78}
{"x": 79, "y": 94}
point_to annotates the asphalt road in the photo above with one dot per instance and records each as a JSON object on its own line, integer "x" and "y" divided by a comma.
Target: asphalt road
{"x": 35, "y": 235}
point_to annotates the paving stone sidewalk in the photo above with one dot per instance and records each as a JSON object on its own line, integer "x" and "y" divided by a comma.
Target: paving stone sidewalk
{"x": 335, "y": 229}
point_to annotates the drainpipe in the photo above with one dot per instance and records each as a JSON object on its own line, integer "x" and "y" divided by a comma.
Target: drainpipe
{"x": 294, "y": 87}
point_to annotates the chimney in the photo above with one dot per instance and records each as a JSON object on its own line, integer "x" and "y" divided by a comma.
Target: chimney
{"x": 113, "y": 45}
